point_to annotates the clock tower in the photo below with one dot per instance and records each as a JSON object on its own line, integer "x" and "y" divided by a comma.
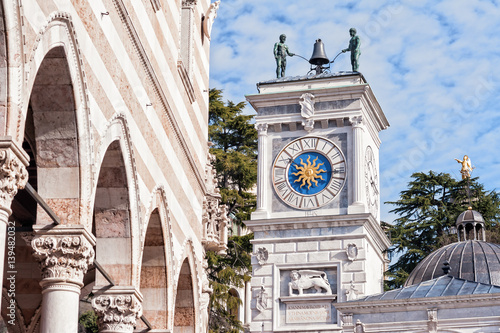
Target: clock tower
{"x": 317, "y": 236}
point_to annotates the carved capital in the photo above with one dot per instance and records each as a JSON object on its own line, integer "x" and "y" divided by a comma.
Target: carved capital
{"x": 13, "y": 174}
{"x": 117, "y": 308}
{"x": 65, "y": 252}
{"x": 347, "y": 319}
{"x": 356, "y": 121}
{"x": 261, "y": 129}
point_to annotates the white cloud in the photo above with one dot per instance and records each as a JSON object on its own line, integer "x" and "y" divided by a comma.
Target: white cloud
{"x": 432, "y": 65}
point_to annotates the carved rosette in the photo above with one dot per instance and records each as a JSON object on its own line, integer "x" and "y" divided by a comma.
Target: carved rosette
{"x": 63, "y": 257}
{"x": 13, "y": 176}
{"x": 117, "y": 313}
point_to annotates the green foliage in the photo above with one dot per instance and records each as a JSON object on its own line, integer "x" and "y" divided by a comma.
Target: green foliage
{"x": 234, "y": 141}
{"x": 427, "y": 210}
{"x": 225, "y": 272}
{"x": 89, "y": 321}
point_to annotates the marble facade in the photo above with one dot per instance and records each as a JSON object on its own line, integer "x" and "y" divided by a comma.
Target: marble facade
{"x": 104, "y": 115}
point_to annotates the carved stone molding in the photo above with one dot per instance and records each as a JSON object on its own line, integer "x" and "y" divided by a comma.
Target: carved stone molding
{"x": 13, "y": 174}
{"x": 210, "y": 18}
{"x": 65, "y": 252}
{"x": 117, "y": 308}
{"x": 211, "y": 174}
{"x": 262, "y": 255}
{"x": 308, "y": 124}
{"x": 351, "y": 251}
{"x": 262, "y": 299}
{"x": 432, "y": 320}
{"x": 352, "y": 293}
{"x": 347, "y": 319}
{"x": 215, "y": 223}
{"x": 306, "y": 105}
{"x": 360, "y": 327}
{"x": 189, "y": 3}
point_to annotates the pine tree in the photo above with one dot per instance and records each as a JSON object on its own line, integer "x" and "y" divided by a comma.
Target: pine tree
{"x": 234, "y": 141}
{"x": 226, "y": 272}
{"x": 428, "y": 210}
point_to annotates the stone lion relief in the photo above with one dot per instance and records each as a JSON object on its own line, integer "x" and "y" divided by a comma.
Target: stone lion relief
{"x": 307, "y": 279}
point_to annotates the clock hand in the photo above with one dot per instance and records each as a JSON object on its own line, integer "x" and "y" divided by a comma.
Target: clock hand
{"x": 374, "y": 186}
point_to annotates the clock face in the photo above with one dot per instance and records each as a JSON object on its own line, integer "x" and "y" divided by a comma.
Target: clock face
{"x": 309, "y": 172}
{"x": 371, "y": 181}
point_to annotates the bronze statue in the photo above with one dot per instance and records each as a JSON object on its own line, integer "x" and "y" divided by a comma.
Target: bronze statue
{"x": 280, "y": 52}
{"x": 467, "y": 167}
{"x": 355, "y": 48}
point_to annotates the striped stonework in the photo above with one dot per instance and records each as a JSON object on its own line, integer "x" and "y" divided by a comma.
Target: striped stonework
{"x": 109, "y": 98}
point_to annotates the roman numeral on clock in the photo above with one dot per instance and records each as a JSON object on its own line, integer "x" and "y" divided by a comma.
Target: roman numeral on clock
{"x": 335, "y": 186}
{"x": 309, "y": 143}
{"x": 309, "y": 202}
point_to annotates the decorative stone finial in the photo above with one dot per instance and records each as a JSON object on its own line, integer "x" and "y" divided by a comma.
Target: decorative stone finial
{"x": 446, "y": 267}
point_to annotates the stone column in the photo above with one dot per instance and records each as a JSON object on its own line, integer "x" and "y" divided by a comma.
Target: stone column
{"x": 65, "y": 252}
{"x": 248, "y": 299}
{"x": 358, "y": 163}
{"x": 117, "y": 308}
{"x": 13, "y": 176}
{"x": 261, "y": 168}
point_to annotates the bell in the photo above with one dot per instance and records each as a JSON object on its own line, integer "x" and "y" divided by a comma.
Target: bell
{"x": 319, "y": 57}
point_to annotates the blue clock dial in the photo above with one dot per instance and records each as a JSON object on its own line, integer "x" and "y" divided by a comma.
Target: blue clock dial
{"x": 309, "y": 173}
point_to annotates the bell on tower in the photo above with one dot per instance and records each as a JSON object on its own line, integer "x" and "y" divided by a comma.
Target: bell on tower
{"x": 470, "y": 226}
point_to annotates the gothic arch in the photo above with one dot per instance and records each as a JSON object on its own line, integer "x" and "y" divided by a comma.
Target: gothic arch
{"x": 14, "y": 67}
{"x": 116, "y": 137}
{"x": 188, "y": 260}
{"x": 156, "y": 266}
{"x": 58, "y": 33}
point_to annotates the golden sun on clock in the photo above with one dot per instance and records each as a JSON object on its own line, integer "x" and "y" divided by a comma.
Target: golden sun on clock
{"x": 309, "y": 172}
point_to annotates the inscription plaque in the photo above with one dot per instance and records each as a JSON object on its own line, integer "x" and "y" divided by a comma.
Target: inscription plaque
{"x": 297, "y": 313}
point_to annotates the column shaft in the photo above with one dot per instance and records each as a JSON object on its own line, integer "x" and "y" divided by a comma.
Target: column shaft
{"x": 60, "y": 304}
{"x": 261, "y": 165}
{"x": 358, "y": 163}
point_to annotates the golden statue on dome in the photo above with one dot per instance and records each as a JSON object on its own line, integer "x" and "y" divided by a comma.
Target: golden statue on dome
{"x": 466, "y": 167}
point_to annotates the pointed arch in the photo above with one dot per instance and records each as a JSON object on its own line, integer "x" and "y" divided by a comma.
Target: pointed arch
{"x": 187, "y": 279}
{"x": 58, "y": 34}
{"x": 156, "y": 266}
{"x": 117, "y": 145}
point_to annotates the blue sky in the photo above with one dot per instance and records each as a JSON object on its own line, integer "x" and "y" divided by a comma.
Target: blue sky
{"x": 434, "y": 67}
